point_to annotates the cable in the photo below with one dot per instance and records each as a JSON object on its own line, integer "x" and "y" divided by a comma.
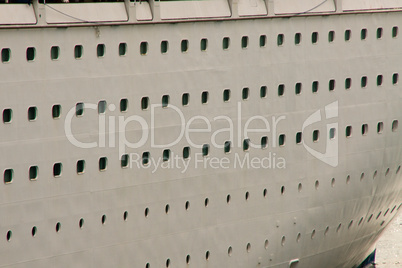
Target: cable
{"x": 66, "y": 14}
{"x": 297, "y": 14}
{"x": 311, "y": 9}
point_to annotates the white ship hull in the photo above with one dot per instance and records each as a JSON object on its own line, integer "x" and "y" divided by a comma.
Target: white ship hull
{"x": 289, "y": 208}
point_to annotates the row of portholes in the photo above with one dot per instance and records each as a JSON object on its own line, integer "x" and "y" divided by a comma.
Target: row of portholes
{"x": 33, "y": 171}
{"x": 32, "y": 113}
{"x": 54, "y": 52}
{"x": 102, "y": 106}
{"x": 365, "y": 129}
{"x": 33, "y": 175}
{"x": 283, "y": 239}
{"x": 347, "y": 35}
{"x": 81, "y": 223}
{"x": 348, "y": 179}
{"x": 230, "y": 248}
{"x": 227, "y": 94}
{"x": 123, "y": 48}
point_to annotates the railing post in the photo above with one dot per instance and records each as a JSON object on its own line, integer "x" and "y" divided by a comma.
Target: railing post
{"x": 40, "y": 12}
{"x": 338, "y": 6}
{"x": 130, "y": 9}
{"x": 270, "y": 7}
{"x": 234, "y": 8}
{"x": 155, "y": 9}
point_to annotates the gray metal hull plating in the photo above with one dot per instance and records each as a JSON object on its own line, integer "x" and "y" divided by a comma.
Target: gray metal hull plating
{"x": 310, "y": 212}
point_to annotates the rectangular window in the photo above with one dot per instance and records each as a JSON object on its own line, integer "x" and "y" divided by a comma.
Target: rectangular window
{"x": 57, "y": 169}
{"x": 280, "y": 39}
{"x": 7, "y": 115}
{"x": 363, "y": 34}
{"x": 78, "y": 51}
{"x": 186, "y": 152}
{"x": 379, "y": 80}
{"x": 264, "y": 142}
{"x": 380, "y": 127}
{"x": 226, "y": 95}
{"x": 102, "y": 107}
{"x": 379, "y": 33}
{"x": 164, "y": 46}
{"x": 348, "y": 131}
{"x": 79, "y": 109}
{"x": 282, "y": 140}
{"x": 185, "y": 99}
{"x": 364, "y": 81}
{"x": 205, "y": 150}
{"x": 298, "y": 88}
{"x": 245, "y": 93}
{"x": 315, "y": 87}
{"x": 56, "y": 111}
{"x": 225, "y": 43}
{"x": 348, "y": 83}
{"x": 122, "y": 49}
{"x": 394, "y": 125}
{"x": 331, "y": 36}
{"x": 395, "y": 78}
{"x": 331, "y": 85}
{"x": 316, "y": 135}
{"x": 227, "y": 147}
{"x": 80, "y": 166}
{"x": 298, "y": 137}
{"x": 263, "y": 40}
{"x": 244, "y": 42}
{"x": 394, "y": 31}
{"x": 145, "y": 158}
{"x": 8, "y": 175}
{"x": 123, "y": 105}
{"x": 246, "y": 144}
{"x": 166, "y": 155}
{"x": 144, "y": 103}
{"x": 165, "y": 101}
{"x": 332, "y": 133}
{"x": 33, "y": 172}
{"x": 314, "y": 37}
{"x": 204, "y": 44}
{"x": 348, "y": 35}
{"x": 124, "y": 160}
{"x": 364, "y": 129}
{"x": 281, "y": 90}
{"x": 263, "y": 92}
{"x": 32, "y": 113}
{"x": 143, "y": 48}
{"x": 184, "y": 45}
{"x": 102, "y": 163}
{"x": 31, "y": 52}
{"x": 5, "y": 55}
{"x": 204, "y": 97}
{"x": 297, "y": 38}
{"x": 54, "y": 52}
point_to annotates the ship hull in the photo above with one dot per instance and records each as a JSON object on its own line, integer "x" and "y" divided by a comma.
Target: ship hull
{"x": 275, "y": 204}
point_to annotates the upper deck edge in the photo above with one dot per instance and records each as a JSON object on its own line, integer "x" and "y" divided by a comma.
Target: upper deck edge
{"x": 151, "y": 12}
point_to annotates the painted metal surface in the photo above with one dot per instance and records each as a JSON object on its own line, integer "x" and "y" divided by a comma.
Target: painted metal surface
{"x": 268, "y": 208}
